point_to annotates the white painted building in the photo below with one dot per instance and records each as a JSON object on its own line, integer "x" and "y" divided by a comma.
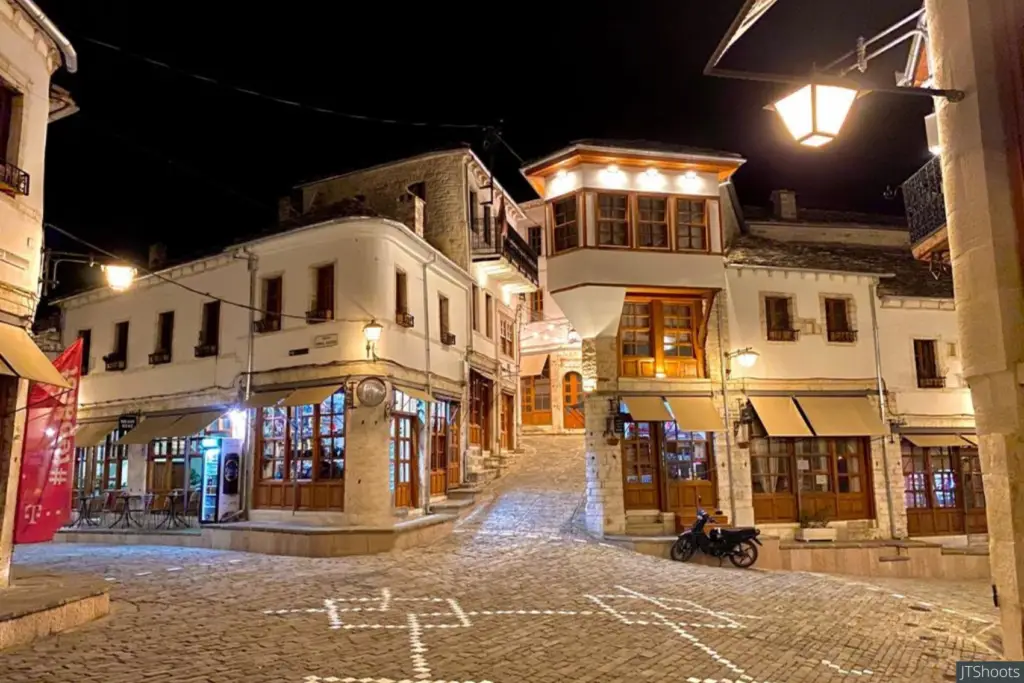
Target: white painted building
{"x": 31, "y": 49}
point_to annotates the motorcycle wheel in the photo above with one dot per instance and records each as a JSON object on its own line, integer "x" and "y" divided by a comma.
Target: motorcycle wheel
{"x": 682, "y": 550}
{"x": 744, "y": 555}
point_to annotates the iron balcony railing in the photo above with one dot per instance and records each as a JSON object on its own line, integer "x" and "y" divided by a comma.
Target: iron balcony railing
{"x": 12, "y": 179}
{"x": 489, "y": 239}
{"x": 924, "y": 202}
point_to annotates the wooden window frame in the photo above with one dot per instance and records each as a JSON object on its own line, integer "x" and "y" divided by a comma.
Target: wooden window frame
{"x": 674, "y": 228}
{"x": 209, "y": 330}
{"x": 628, "y": 222}
{"x": 290, "y": 415}
{"x": 317, "y": 304}
{"x": 481, "y": 396}
{"x": 119, "y": 350}
{"x": 9, "y": 108}
{"x": 531, "y": 412}
{"x": 443, "y": 315}
{"x": 86, "y": 336}
{"x": 488, "y": 315}
{"x": 401, "y": 292}
{"x": 933, "y": 377}
{"x": 658, "y": 363}
{"x": 577, "y": 224}
{"x": 475, "y": 311}
{"x": 638, "y": 223}
{"x": 268, "y": 314}
{"x": 773, "y": 333}
{"x": 838, "y": 324}
{"x": 164, "y": 328}
{"x": 536, "y": 244}
{"x": 507, "y": 336}
{"x": 535, "y": 300}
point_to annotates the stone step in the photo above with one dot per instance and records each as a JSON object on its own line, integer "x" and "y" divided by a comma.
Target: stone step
{"x": 637, "y": 529}
{"x": 452, "y": 507}
{"x": 483, "y": 476}
{"x": 465, "y": 492}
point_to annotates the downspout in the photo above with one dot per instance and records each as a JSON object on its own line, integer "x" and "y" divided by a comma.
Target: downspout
{"x": 70, "y": 56}
{"x": 728, "y": 422}
{"x": 430, "y": 386}
{"x": 248, "y": 472}
{"x": 472, "y": 308}
{"x": 881, "y": 408}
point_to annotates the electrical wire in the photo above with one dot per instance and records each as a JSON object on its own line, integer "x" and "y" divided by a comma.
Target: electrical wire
{"x": 280, "y": 100}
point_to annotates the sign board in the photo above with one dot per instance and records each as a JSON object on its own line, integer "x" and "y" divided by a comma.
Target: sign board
{"x": 620, "y": 423}
{"x": 298, "y": 352}
{"x": 126, "y": 423}
{"x": 323, "y": 341}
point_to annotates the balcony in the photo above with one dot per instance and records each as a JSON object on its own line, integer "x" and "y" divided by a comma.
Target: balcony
{"x": 405, "y": 319}
{"x": 448, "y": 338}
{"x": 115, "y": 362}
{"x": 159, "y": 357}
{"x": 13, "y": 180}
{"x": 268, "y": 324}
{"x": 504, "y": 255}
{"x": 842, "y": 336}
{"x": 926, "y": 212}
{"x": 931, "y": 382}
{"x": 782, "y": 335}
{"x": 206, "y": 350}
{"x": 317, "y": 315}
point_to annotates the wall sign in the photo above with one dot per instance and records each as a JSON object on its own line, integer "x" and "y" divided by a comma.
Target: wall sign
{"x": 298, "y": 352}
{"x": 322, "y": 341}
{"x": 620, "y": 423}
{"x": 126, "y": 423}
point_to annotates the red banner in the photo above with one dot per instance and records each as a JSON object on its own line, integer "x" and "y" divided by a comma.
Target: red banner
{"x": 44, "y": 489}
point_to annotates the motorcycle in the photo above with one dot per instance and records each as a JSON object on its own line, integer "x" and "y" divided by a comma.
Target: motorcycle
{"x": 739, "y": 545}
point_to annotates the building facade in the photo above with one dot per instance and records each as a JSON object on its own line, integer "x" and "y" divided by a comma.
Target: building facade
{"x": 31, "y": 49}
{"x": 734, "y": 360}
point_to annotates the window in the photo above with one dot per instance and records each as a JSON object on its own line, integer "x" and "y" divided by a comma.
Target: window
{"x": 120, "y": 351}
{"x": 419, "y": 189}
{"x": 691, "y": 225}
{"x": 475, "y": 312}
{"x": 536, "y": 305}
{"x": 209, "y": 334}
{"x": 507, "y": 332}
{"x": 535, "y": 238}
{"x": 536, "y": 394}
{"x": 165, "y": 332}
{"x": 565, "y": 229}
{"x": 323, "y": 293}
{"x": 86, "y": 337}
{"x": 305, "y": 443}
{"x": 489, "y": 316}
{"x": 927, "y": 364}
{"x": 776, "y": 314}
{"x": 442, "y": 307}
{"x": 272, "y": 300}
{"x": 401, "y": 292}
{"x": 659, "y": 337}
{"x": 837, "y": 321}
{"x": 473, "y": 201}
{"x": 479, "y": 410}
{"x": 686, "y": 454}
{"x": 652, "y": 222}
{"x": 331, "y": 457}
{"x": 613, "y": 220}
{"x": 636, "y": 330}
{"x": 7, "y": 100}
{"x": 678, "y": 330}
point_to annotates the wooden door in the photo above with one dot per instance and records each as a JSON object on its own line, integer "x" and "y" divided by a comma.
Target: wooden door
{"x": 403, "y": 476}
{"x": 439, "y": 448}
{"x": 508, "y": 421}
{"x": 771, "y": 474}
{"x": 974, "y": 490}
{"x": 689, "y": 472}
{"x": 640, "y": 466}
{"x": 938, "y": 483}
{"x": 572, "y": 401}
{"x": 454, "y": 445}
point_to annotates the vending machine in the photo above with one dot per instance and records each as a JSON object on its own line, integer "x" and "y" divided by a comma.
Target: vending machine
{"x": 221, "y": 458}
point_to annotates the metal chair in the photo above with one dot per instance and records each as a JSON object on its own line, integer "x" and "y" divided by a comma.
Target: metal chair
{"x": 192, "y": 509}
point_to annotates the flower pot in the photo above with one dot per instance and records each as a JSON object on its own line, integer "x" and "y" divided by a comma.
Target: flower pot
{"x": 809, "y": 534}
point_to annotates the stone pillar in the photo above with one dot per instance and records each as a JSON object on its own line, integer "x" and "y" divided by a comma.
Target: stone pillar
{"x": 12, "y": 429}
{"x": 604, "y": 511}
{"x": 975, "y": 48}
{"x": 888, "y": 499}
{"x": 137, "y": 464}
{"x": 368, "y": 466}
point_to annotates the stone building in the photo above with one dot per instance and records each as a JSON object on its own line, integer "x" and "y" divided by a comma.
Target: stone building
{"x": 730, "y": 358}
{"x": 31, "y": 49}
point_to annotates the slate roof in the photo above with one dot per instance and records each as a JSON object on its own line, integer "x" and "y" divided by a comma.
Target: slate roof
{"x": 912, "y": 278}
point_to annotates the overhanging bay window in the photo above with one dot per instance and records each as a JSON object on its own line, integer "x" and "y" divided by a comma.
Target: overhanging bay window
{"x": 661, "y": 337}
{"x": 613, "y": 220}
{"x": 652, "y": 223}
{"x": 564, "y": 225}
{"x": 691, "y": 220}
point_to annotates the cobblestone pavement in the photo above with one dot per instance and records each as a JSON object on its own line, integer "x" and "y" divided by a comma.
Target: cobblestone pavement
{"x": 516, "y": 595}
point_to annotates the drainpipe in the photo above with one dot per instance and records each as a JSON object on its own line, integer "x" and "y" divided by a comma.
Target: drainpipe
{"x": 248, "y": 473}
{"x": 430, "y": 386}
{"x": 70, "y": 56}
{"x": 728, "y": 422}
{"x": 881, "y": 407}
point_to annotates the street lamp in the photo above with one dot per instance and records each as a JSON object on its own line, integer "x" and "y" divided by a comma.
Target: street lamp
{"x": 118, "y": 277}
{"x": 372, "y": 331}
{"x": 815, "y": 113}
{"x": 745, "y": 357}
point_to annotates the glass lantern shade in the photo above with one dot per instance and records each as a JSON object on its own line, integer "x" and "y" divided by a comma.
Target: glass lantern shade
{"x": 815, "y": 113}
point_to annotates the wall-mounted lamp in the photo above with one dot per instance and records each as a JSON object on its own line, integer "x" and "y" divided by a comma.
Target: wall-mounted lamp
{"x": 746, "y": 358}
{"x": 119, "y": 278}
{"x": 372, "y": 331}
{"x": 815, "y": 113}
{"x": 690, "y": 175}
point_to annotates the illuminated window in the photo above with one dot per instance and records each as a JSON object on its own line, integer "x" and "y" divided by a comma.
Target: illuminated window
{"x": 565, "y": 229}
{"x": 652, "y": 222}
{"x": 613, "y": 220}
{"x": 691, "y": 225}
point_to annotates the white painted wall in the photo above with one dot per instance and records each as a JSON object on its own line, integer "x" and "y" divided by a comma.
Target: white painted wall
{"x": 637, "y": 268}
{"x": 901, "y": 321}
{"x": 812, "y": 355}
{"x": 630, "y": 178}
{"x": 366, "y": 253}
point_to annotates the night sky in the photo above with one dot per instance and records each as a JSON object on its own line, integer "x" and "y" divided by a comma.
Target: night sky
{"x": 155, "y": 155}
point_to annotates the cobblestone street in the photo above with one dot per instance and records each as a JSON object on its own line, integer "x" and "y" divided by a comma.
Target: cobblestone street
{"x": 516, "y": 594}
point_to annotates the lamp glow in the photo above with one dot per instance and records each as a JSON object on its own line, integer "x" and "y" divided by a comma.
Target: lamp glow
{"x": 747, "y": 357}
{"x": 119, "y": 278}
{"x": 612, "y": 168}
{"x": 690, "y": 175}
{"x": 372, "y": 331}
{"x": 238, "y": 420}
{"x": 815, "y": 113}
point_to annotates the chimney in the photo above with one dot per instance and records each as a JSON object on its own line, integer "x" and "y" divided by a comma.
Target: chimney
{"x": 157, "y": 256}
{"x": 784, "y": 205}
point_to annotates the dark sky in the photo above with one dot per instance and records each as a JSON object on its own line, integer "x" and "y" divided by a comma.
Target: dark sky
{"x": 158, "y": 156}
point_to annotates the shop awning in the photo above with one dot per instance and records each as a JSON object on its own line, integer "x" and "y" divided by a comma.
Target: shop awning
{"x": 934, "y": 440}
{"x": 266, "y": 399}
{"x": 93, "y": 433}
{"x": 20, "y": 357}
{"x": 780, "y": 416}
{"x": 531, "y": 366}
{"x": 193, "y": 423}
{"x": 311, "y": 396}
{"x": 151, "y": 428}
{"x": 695, "y": 413}
{"x": 647, "y": 408}
{"x": 417, "y": 394}
{"x": 970, "y": 438}
{"x": 841, "y": 416}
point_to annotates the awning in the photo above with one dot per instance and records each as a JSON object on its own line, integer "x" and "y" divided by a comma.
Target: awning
{"x": 311, "y": 396}
{"x": 20, "y": 357}
{"x": 93, "y": 433}
{"x": 193, "y": 423}
{"x": 841, "y": 416}
{"x": 934, "y": 440}
{"x": 780, "y": 416}
{"x": 266, "y": 399}
{"x": 970, "y": 438}
{"x": 417, "y": 394}
{"x": 695, "y": 413}
{"x": 647, "y": 408}
{"x": 149, "y": 429}
{"x": 531, "y": 366}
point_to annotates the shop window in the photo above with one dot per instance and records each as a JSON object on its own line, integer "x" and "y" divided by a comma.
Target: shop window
{"x": 686, "y": 454}
{"x": 770, "y": 466}
{"x": 691, "y": 225}
{"x": 639, "y": 458}
{"x": 331, "y": 457}
{"x": 652, "y": 222}
{"x": 565, "y": 229}
{"x": 927, "y": 365}
{"x": 778, "y": 319}
{"x": 613, "y": 220}
{"x": 303, "y": 443}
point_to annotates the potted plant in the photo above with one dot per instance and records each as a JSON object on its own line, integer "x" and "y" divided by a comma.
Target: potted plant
{"x": 815, "y": 528}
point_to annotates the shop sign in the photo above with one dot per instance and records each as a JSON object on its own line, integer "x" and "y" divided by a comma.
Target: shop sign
{"x": 126, "y": 423}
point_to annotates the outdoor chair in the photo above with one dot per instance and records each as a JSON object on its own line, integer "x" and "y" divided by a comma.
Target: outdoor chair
{"x": 192, "y": 509}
